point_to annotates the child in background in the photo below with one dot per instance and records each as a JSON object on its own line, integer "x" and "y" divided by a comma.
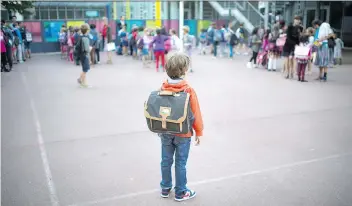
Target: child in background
{"x": 70, "y": 44}
{"x": 255, "y": 45}
{"x": 176, "y": 44}
{"x": 188, "y": 43}
{"x": 98, "y": 48}
{"x": 310, "y": 34}
{"x": 159, "y": 48}
{"x": 83, "y": 45}
{"x": 179, "y": 145}
{"x": 302, "y": 60}
{"x": 339, "y": 45}
{"x": 203, "y": 41}
{"x": 146, "y": 51}
{"x": 124, "y": 40}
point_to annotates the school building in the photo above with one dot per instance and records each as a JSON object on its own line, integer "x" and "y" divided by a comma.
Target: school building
{"x": 46, "y": 18}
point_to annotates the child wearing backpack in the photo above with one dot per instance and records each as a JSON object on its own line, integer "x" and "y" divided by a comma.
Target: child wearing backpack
{"x": 175, "y": 142}
{"x": 83, "y": 51}
{"x": 255, "y": 45}
{"x": 223, "y": 41}
{"x": 188, "y": 44}
{"x": 203, "y": 41}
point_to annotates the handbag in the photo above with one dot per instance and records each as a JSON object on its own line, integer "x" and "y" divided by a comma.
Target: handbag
{"x": 111, "y": 46}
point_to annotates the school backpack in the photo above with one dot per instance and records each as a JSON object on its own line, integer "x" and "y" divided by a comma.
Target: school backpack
{"x": 218, "y": 36}
{"x": 203, "y": 37}
{"x": 63, "y": 38}
{"x": 250, "y": 43}
{"x": 210, "y": 34}
{"x": 189, "y": 41}
{"x": 140, "y": 43}
{"x": 29, "y": 36}
{"x": 79, "y": 48}
{"x": 331, "y": 43}
{"x": 233, "y": 39}
{"x": 169, "y": 112}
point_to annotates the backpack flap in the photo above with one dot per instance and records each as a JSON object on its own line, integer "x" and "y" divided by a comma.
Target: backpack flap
{"x": 168, "y": 112}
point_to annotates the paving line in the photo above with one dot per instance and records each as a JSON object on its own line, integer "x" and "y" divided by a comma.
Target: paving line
{"x": 49, "y": 178}
{"x": 219, "y": 179}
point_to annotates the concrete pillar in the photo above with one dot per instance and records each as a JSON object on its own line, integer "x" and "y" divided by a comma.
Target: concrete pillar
{"x": 181, "y": 20}
{"x": 317, "y": 10}
{"x": 173, "y": 10}
{"x": 266, "y": 15}
{"x": 165, "y": 10}
{"x": 196, "y": 10}
{"x": 201, "y": 9}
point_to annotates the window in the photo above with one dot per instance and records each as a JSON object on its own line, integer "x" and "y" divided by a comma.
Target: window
{"x": 70, "y": 14}
{"x": 79, "y": 13}
{"x": 62, "y": 14}
{"x": 37, "y": 13}
{"x": 44, "y": 13}
{"x": 53, "y": 13}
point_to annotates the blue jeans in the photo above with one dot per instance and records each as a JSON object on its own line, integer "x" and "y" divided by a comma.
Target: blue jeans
{"x": 215, "y": 47}
{"x": 231, "y": 50}
{"x": 179, "y": 146}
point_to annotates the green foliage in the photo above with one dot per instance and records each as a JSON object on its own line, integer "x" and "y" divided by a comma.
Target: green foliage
{"x": 19, "y": 6}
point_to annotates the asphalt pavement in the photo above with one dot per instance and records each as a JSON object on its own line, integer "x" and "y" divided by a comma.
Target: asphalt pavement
{"x": 267, "y": 140}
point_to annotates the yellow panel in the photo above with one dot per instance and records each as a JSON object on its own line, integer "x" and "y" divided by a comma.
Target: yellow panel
{"x": 157, "y": 9}
{"x": 75, "y": 23}
{"x": 151, "y": 24}
{"x": 114, "y": 8}
{"x": 203, "y": 24}
{"x": 128, "y": 10}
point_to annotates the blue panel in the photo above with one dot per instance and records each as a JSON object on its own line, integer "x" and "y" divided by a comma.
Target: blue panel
{"x": 192, "y": 26}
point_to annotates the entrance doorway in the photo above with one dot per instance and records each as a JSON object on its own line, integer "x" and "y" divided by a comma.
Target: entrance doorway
{"x": 309, "y": 15}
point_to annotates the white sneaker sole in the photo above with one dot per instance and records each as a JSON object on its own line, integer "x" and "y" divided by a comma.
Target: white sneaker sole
{"x": 180, "y": 200}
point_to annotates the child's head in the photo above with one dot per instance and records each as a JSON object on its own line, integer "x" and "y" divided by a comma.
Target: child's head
{"x": 177, "y": 65}
{"x": 186, "y": 29}
{"x": 92, "y": 26}
{"x": 204, "y": 30}
{"x": 172, "y": 32}
{"x": 84, "y": 28}
{"x": 310, "y": 31}
{"x": 76, "y": 29}
{"x": 158, "y": 32}
{"x": 255, "y": 31}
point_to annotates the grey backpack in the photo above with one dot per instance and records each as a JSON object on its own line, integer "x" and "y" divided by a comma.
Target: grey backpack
{"x": 169, "y": 112}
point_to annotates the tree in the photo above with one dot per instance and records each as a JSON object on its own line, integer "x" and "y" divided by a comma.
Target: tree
{"x": 17, "y": 6}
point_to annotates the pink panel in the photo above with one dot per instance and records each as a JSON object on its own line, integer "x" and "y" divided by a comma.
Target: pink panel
{"x": 36, "y": 30}
{"x": 171, "y": 24}
{"x": 221, "y": 22}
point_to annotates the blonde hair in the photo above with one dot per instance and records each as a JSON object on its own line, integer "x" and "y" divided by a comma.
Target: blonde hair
{"x": 186, "y": 29}
{"x": 177, "y": 64}
{"x": 84, "y": 28}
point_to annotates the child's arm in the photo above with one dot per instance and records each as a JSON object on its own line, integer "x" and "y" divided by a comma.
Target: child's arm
{"x": 198, "y": 122}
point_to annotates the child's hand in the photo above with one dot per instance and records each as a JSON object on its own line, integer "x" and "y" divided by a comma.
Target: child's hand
{"x": 197, "y": 140}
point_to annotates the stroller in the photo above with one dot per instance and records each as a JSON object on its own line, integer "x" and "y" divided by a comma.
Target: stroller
{"x": 262, "y": 58}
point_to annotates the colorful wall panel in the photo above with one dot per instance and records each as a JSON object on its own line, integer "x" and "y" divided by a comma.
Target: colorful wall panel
{"x": 138, "y": 23}
{"x": 171, "y": 24}
{"x": 153, "y": 24}
{"x": 36, "y": 29}
{"x": 52, "y": 30}
{"x": 75, "y": 23}
{"x": 203, "y": 24}
{"x": 192, "y": 26}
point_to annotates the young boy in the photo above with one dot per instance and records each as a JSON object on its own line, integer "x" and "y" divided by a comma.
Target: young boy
{"x": 179, "y": 145}
{"x": 84, "y": 54}
{"x": 188, "y": 43}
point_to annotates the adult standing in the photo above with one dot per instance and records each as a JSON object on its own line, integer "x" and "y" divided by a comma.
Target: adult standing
{"x": 121, "y": 23}
{"x": 323, "y": 32}
{"x": 240, "y": 36}
{"x": 93, "y": 40}
{"x": 107, "y": 38}
{"x": 210, "y": 36}
{"x": 292, "y": 39}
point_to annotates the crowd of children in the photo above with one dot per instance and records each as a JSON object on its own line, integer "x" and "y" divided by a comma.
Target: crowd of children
{"x": 15, "y": 43}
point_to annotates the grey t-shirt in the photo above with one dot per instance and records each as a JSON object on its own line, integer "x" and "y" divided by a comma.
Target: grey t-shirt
{"x": 85, "y": 46}
{"x": 255, "y": 44}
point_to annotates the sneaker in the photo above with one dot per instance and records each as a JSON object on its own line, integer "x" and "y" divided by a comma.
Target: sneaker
{"x": 189, "y": 194}
{"x": 249, "y": 65}
{"x": 86, "y": 86}
{"x": 79, "y": 81}
{"x": 165, "y": 193}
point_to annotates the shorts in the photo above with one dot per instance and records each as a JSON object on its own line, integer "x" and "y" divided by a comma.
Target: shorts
{"x": 27, "y": 45}
{"x": 124, "y": 43}
{"x": 145, "y": 52}
{"x": 85, "y": 63}
{"x": 288, "y": 50}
